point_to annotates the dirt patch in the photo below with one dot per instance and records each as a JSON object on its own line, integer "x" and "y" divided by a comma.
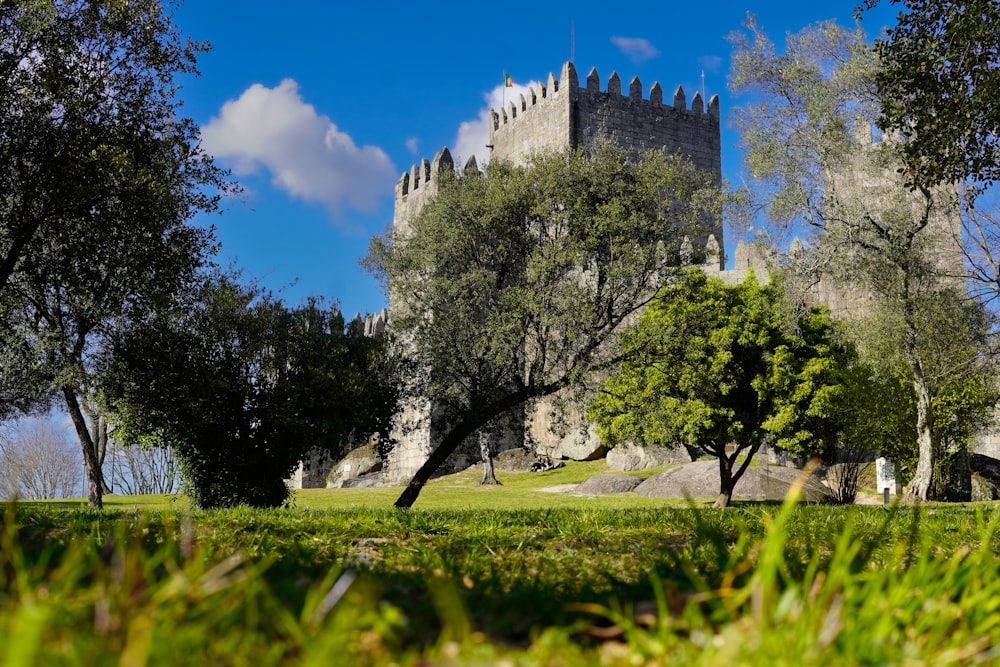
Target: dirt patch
{"x": 559, "y": 488}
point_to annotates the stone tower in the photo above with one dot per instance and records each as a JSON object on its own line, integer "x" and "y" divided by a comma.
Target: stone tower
{"x": 866, "y": 180}
{"x": 558, "y": 115}
{"x": 563, "y": 115}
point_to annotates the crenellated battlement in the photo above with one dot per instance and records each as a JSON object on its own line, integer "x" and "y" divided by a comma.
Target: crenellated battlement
{"x": 562, "y": 113}
{"x": 416, "y": 186}
{"x": 568, "y": 84}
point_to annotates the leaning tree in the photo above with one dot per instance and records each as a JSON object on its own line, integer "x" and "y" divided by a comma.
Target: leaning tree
{"x": 515, "y": 283}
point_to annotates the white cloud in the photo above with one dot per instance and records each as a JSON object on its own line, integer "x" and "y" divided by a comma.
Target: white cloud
{"x": 473, "y": 135}
{"x": 638, "y": 50}
{"x": 304, "y": 152}
{"x": 413, "y": 145}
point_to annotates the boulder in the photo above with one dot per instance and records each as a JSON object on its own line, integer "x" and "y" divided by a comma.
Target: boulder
{"x": 985, "y": 477}
{"x": 558, "y": 428}
{"x": 364, "y": 481}
{"x": 602, "y": 485}
{"x": 628, "y": 458}
{"x": 701, "y": 480}
{"x": 514, "y": 460}
{"x": 359, "y": 462}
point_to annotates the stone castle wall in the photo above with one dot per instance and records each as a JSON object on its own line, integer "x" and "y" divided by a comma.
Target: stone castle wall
{"x": 563, "y": 114}
{"x": 554, "y": 117}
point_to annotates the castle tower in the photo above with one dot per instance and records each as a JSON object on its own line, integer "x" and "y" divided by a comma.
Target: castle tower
{"x": 562, "y": 114}
{"x": 865, "y": 181}
{"x": 558, "y": 115}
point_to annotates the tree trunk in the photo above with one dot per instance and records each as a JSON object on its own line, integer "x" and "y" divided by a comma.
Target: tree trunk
{"x": 728, "y": 476}
{"x": 98, "y": 436}
{"x": 489, "y": 476}
{"x": 726, "y": 485}
{"x": 475, "y": 420}
{"x": 440, "y": 454}
{"x": 916, "y": 490}
{"x": 91, "y": 464}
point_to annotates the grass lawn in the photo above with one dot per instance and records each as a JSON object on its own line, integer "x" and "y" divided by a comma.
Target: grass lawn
{"x": 508, "y": 575}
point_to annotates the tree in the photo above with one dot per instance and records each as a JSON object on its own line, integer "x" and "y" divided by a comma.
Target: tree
{"x": 512, "y": 285}
{"x": 38, "y": 463}
{"x": 88, "y": 108}
{"x": 961, "y": 377}
{"x": 242, "y": 387}
{"x": 141, "y": 469}
{"x": 808, "y": 141}
{"x": 101, "y": 175}
{"x": 715, "y": 367}
{"x": 938, "y": 81}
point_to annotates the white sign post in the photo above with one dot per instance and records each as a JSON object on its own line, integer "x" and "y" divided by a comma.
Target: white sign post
{"x": 885, "y": 474}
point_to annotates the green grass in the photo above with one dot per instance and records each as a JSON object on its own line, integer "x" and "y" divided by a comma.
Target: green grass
{"x": 518, "y": 490}
{"x": 497, "y": 577}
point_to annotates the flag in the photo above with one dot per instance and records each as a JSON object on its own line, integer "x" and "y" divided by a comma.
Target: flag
{"x": 507, "y": 81}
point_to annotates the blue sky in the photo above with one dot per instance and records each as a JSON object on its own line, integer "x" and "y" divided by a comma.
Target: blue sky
{"x": 318, "y": 107}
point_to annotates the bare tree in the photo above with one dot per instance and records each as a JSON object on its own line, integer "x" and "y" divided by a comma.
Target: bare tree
{"x": 38, "y": 462}
{"x": 980, "y": 240}
{"x": 135, "y": 470}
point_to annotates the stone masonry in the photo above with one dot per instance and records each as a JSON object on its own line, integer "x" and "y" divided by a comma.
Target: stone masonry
{"x": 556, "y": 116}
{"x": 561, "y": 114}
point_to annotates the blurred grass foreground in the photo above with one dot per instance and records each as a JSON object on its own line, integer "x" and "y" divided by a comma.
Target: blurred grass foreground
{"x": 668, "y": 584}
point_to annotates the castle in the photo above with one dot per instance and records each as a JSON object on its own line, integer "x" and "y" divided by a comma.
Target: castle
{"x": 563, "y": 114}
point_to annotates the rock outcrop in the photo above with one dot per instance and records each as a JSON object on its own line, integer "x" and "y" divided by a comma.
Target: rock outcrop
{"x": 629, "y": 458}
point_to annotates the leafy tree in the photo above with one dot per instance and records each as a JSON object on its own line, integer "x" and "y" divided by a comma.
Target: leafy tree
{"x": 511, "y": 286}
{"x": 88, "y": 108}
{"x": 953, "y": 338}
{"x": 713, "y": 366}
{"x": 938, "y": 81}
{"x": 808, "y": 141}
{"x": 242, "y": 387}
{"x": 100, "y": 177}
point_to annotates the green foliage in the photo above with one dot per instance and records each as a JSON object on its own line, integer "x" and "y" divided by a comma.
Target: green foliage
{"x": 510, "y": 286}
{"x": 938, "y": 79}
{"x": 804, "y": 105}
{"x": 808, "y": 137}
{"x": 953, "y": 338}
{"x": 100, "y": 175}
{"x": 711, "y": 365}
{"x": 243, "y": 387}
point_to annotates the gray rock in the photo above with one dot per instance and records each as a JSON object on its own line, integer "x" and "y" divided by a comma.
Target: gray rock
{"x": 514, "y": 460}
{"x": 359, "y": 462}
{"x": 985, "y": 477}
{"x": 559, "y": 430}
{"x": 364, "y": 481}
{"x": 628, "y": 458}
{"x": 701, "y": 480}
{"x": 602, "y": 485}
